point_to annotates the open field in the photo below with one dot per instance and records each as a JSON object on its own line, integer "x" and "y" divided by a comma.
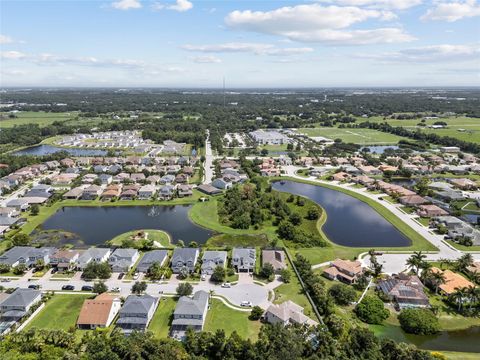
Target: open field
{"x": 462, "y": 128}
{"x": 60, "y": 312}
{"x": 32, "y": 117}
{"x": 357, "y": 136}
{"x": 222, "y": 317}
{"x": 160, "y": 324}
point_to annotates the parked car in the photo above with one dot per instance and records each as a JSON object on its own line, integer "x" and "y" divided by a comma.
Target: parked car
{"x": 120, "y": 276}
{"x": 68, "y": 287}
{"x": 87, "y": 288}
{"x": 34, "y": 286}
{"x": 226, "y": 285}
{"x": 115, "y": 289}
{"x": 203, "y": 277}
{"x": 246, "y": 304}
{"x": 6, "y": 280}
{"x": 136, "y": 276}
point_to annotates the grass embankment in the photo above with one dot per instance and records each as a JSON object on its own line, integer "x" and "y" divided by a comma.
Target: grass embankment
{"x": 158, "y": 236}
{"x": 46, "y": 211}
{"x": 463, "y": 247}
{"x": 320, "y": 255}
{"x": 60, "y": 312}
{"x": 229, "y": 320}
{"x": 162, "y": 319}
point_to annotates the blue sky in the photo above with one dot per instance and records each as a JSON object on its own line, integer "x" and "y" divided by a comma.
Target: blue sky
{"x": 188, "y": 43}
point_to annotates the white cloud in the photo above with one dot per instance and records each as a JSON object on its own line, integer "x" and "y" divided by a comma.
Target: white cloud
{"x": 429, "y": 54}
{"x": 209, "y": 59}
{"x": 256, "y": 48}
{"x": 316, "y": 23}
{"x": 378, "y": 4}
{"x": 126, "y": 4}
{"x": 12, "y": 55}
{"x": 453, "y": 10}
{"x": 14, "y": 72}
{"x": 4, "y": 39}
{"x": 179, "y": 5}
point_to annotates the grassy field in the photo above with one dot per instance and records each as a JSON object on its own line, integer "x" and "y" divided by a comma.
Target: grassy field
{"x": 357, "y": 136}
{"x": 222, "y": 317}
{"x": 156, "y": 235}
{"x": 60, "y": 312}
{"x": 293, "y": 291}
{"x": 238, "y": 240}
{"x": 32, "y": 117}
{"x": 462, "y": 128}
{"x": 160, "y": 324}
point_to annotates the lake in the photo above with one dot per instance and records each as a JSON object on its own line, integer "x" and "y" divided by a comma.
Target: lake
{"x": 465, "y": 340}
{"x": 350, "y": 222}
{"x": 40, "y": 150}
{"x": 97, "y": 225}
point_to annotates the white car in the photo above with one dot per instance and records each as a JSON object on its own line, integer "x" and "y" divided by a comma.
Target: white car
{"x": 246, "y": 304}
{"x": 136, "y": 276}
{"x": 226, "y": 285}
{"x": 115, "y": 289}
{"x": 203, "y": 277}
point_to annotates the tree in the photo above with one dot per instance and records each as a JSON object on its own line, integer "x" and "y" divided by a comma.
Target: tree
{"x": 415, "y": 262}
{"x": 436, "y": 278}
{"x": 99, "y": 287}
{"x": 97, "y": 270}
{"x": 20, "y": 269}
{"x": 313, "y": 213}
{"x": 267, "y": 270}
{"x": 21, "y": 239}
{"x": 219, "y": 274}
{"x": 418, "y": 321}
{"x": 183, "y": 274}
{"x": 155, "y": 271}
{"x": 4, "y": 268}
{"x": 256, "y": 313}
{"x": 139, "y": 287}
{"x": 371, "y": 310}
{"x": 184, "y": 289}
{"x": 295, "y": 219}
{"x": 459, "y": 296}
{"x": 464, "y": 262}
{"x": 285, "y": 274}
{"x": 264, "y": 152}
{"x": 342, "y": 294}
{"x": 34, "y": 209}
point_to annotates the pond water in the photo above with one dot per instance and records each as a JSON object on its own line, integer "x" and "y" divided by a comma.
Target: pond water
{"x": 465, "y": 340}
{"x": 96, "y": 225}
{"x": 350, "y": 222}
{"x": 40, "y": 150}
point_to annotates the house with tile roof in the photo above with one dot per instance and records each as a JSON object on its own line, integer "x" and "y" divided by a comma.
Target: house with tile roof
{"x": 99, "y": 312}
{"x": 287, "y": 313}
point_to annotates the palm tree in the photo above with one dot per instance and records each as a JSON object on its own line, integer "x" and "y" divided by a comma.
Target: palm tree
{"x": 445, "y": 262}
{"x": 437, "y": 278}
{"x": 464, "y": 261}
{"x": 459, "y": 296}
{"x": 472, "y": 293}
{"x": 416, "y": 261}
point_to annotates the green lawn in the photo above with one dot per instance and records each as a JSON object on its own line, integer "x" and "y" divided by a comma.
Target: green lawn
{"x": 35, "y": 117}
{"x": 357, "y": 136}
{"x": 246, "y": 240}
{"x": 463, "y": 247}
{"x": 293, "y": 291}
{"x": 60, "y": 312}
{"x": 222, "y": 317}
{"x": 156, "y": 235}
{"x": 162, "y": 319}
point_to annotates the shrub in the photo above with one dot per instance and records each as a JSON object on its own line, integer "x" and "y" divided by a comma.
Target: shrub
{"x": 184, "y": 289}
{"x": 418, "y": 321}
{"x": 256, "y": 313}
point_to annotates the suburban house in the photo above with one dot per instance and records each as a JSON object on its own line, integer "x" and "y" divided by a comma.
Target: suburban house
{"x": 274, "y": 257}
{"x": 287, "y": 313}
{"x": 184, "y": 258}
{"x": 184, "y": 190}
{"x": 412, "y": 200}
{"x": 474, "y": 268}
{"x": 111, "y": 192}
{"x": 405, "y": 290}
{"x": 93, "y": 254}
{"x": 64, "y": 259}
{"x": 74, "y": 194}
{"x": 99, "y": 312}
{"x": 26, "y": 255}
{"x": 212, "y": 259}
{"x": 209, "y": 189}
{"x": 222, "y": 183}
{"x": 136, "y": 313}
{"x": 19, "y": 204}
{"x": 453, "y": 281}
{"x": 17, "y": 305}
{"x": 343, "y": 270}
{"x": 243, "y": 260}
{"x": 146, "y": 191}
{"x": 167, "y": 192}
{"x": 190, "y": 313}
{"x": 151, "y": 257}
{"x": 122, "y": 260}
{"x": 91, "y": 192}
{"x": 431, "y": 211}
